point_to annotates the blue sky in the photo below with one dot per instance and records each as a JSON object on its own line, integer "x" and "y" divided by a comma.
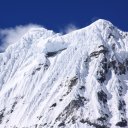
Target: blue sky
{"x": 57, "y": 14}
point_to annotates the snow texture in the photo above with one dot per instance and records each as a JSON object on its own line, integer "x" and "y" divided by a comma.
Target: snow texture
{"x": 77, "y": 80}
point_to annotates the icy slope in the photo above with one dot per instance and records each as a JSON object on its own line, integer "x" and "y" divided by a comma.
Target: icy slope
{"x": 78, "y": 80}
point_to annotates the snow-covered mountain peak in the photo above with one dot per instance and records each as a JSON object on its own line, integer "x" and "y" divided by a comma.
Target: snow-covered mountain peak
{"x": 77, "y": 80}
{"x": 102, "y": 22}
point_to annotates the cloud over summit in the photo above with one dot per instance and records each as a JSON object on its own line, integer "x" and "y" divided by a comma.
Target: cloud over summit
{"x": 12, "y": 35}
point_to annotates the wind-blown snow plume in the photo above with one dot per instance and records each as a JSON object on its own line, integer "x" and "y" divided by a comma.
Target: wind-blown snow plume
{"x": 68, "y": 28}
{"x": 12, "y": 35}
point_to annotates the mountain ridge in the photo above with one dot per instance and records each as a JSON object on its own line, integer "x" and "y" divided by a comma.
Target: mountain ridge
{"x": 77, "y": 80}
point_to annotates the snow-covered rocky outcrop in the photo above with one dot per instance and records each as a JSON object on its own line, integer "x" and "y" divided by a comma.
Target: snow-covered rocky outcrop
{"x": 77, "y": 80}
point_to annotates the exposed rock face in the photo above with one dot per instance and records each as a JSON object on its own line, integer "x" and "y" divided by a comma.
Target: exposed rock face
{"x": 78, "y": 80}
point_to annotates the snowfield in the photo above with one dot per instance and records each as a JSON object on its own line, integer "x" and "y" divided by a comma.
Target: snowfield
{"x": 77, "y": 80}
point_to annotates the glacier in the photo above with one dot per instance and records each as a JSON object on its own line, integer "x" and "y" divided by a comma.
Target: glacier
{"x": 76, "y": 80}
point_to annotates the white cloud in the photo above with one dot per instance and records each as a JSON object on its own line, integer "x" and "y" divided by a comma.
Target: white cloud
{"x": 69, "y": 28}
{"x": 11, "y": 35}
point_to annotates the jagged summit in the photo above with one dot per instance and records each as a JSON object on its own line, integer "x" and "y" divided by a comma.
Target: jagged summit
{"x": 77, "y": 80}
{"x": 100, "y": 23}
{"x": 40, "y": 32}
{"x": 103, "y": 22}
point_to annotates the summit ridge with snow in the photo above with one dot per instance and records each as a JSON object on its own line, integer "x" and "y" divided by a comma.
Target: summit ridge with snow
{"x": 76, "y": 80}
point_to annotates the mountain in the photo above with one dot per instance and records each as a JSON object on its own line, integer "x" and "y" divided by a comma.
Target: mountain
{"x": 76, "y": 80}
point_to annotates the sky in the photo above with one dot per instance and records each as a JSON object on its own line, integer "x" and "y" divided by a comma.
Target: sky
{"x": 59, "y": 15}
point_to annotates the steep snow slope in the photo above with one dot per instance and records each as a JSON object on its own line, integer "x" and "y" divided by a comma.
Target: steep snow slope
{"x": 78, "y": 80}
